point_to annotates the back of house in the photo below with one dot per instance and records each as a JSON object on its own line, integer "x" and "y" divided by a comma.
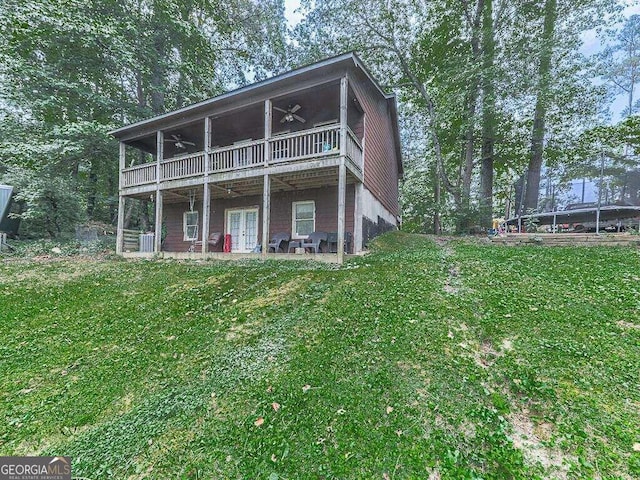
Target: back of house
{"x": 312, "y": 150}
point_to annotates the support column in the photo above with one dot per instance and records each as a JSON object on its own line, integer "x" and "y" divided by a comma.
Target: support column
{"x": 266, "y": 213}
{"x": 159, "y": 157}
{"x": 158, "y": 228}
{"x": 206, "y": 196}
{"x": 342, "y": 169}
{"x": 266, "y": 188}
{"x": 357, "y": 219}
{"x": 121, "y": 201}
{"x": 120, "y": 228}
{"x": 342, "y": 184}
{"x": 206, "y": 213}
{"x": 267, "y": 131}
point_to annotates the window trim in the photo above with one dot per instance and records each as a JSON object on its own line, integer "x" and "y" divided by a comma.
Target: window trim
{"x": 294, "y": 234}
{"x": 185, "y": 236}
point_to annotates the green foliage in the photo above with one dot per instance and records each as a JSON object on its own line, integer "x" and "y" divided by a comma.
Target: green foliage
{"x": 620, "y": 64}
{"x": 71, "y": 71}
{"x": 432, "y": 54}
{"x": 455, "y": 360}
{"x": 50, "y": 206}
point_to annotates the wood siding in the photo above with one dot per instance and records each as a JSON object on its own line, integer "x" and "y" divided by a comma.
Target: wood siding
{"x": 380, "y": 162}
{"x": 326, "y": 202}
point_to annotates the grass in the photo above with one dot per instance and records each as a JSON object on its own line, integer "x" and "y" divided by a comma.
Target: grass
{"x": 425, "y": 359}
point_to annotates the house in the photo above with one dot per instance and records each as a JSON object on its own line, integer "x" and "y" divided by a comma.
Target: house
{"x": 315, "y": 149}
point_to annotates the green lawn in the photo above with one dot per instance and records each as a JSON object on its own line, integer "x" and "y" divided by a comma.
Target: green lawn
{"x": 448, "y": 359}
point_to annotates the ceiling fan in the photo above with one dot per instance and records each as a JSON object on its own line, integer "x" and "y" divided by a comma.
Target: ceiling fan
{"x": 290, "y": 114}
{"x": 179, "y": 142}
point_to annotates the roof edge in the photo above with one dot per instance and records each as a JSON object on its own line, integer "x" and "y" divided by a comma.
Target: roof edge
{"x": 238, "y": 91}
{"x": 393, "y": 107}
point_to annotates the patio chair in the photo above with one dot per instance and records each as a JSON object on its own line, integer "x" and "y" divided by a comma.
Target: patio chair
{"x": 332, "y": 242}
{"x": 280, "y": 241}
{"x": 314, "y": 241}
{"x": 212, "y": 241}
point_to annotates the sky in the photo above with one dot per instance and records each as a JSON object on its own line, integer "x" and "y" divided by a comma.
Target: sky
{"x": 590, "y": 46}
{"x": 289, "y": 12}
{"x": 591, "y": 41}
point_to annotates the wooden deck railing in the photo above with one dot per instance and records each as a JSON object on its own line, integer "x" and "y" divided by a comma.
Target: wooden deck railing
{"x": 313, "y": 143}
{"x": 316, "y": 142}
{"x": 354, "y": 149}
{"x": 237, "y": 157}
{"x": 139, "y": 175}
{"x": 183, "y": 166}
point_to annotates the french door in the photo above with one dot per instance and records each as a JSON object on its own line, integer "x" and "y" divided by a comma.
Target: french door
{"x": 242, "y": 225}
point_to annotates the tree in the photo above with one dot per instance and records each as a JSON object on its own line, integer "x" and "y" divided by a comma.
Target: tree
{"x": 620, "y": 63}
{"x": 539, "y": 118}
{"x": 73, "y": 70}
{"x": 406, "y": 52}
{"x": 488, "y": 114}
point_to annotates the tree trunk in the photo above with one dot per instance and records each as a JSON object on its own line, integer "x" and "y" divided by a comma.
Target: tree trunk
{"x": 488, "y": 117}
{"x": 469, "y": 149}
{"x": 93, "y": 192}
{"x": 437, "y": 225}
{"x": 537, "y": 136}
{"x": 158, "y": 75}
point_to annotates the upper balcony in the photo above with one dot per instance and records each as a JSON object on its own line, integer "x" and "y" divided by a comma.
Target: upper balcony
{"x": 293, "y": 132}
{"x": 319, "y": 143}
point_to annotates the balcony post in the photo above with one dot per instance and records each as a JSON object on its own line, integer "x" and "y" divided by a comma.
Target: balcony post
{"x": 266, "y": 213}
{"x": 342, "y": 169}
{"x": 267, "y": 131}
{"x": 159, "y": 157}
{"x": 206, "y": 200}
{"x": 121, "y": 201}
{"x": 266, "y": 189}
{"x": 357, "y": 219}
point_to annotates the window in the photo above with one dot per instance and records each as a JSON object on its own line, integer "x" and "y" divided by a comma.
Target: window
{"x": 190, "y": 226}
{"x": 304, "y": 219}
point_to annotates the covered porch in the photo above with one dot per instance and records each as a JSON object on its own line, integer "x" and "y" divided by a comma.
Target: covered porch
{"x": 197, "y": 220}
{"x": 235, "y": 172}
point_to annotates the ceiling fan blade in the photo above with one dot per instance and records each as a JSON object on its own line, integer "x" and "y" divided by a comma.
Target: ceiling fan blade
{"x": 279, "y": 109}
{"x": 295, "y": 108}
{"x": 188, "y": 143}
{"x": 284, "y": 119}
{"x": 299, "y": 118}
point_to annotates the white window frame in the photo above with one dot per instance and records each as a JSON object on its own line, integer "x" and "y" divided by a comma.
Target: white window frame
{"x": 294, "y": 233}
{"x": 185, "y": 229}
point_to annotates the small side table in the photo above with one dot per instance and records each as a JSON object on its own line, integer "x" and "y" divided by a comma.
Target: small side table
{"x": 294, "y": 245}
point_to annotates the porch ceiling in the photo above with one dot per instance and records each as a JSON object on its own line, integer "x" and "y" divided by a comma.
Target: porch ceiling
{"x": 287, "y": 182}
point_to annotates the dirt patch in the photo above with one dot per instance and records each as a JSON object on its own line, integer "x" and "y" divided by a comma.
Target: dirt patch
{"x": 276, "y": 295}
{"x": 507, "y": 345}
{"x": 243, "y": 330}
{"x": 72, "y": 271}
{"x": 528, "y": 437}
{"x": 485, "y": 355}
{"x": 450, "y": 289}
{"x": 623, "y": 324}
{"x": 452, "y": 283}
